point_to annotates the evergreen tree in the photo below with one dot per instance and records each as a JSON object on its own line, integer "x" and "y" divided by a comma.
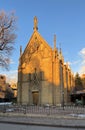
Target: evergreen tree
{"x": 9, "y": 94}
{"x": 78, "y": 82}
{"x": 83, "y": 82}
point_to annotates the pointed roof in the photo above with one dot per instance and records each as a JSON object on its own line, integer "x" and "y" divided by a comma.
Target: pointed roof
{"x": 35, "y": 36}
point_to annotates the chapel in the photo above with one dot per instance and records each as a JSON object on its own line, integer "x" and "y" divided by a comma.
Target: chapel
{"x": 43, "y": 76}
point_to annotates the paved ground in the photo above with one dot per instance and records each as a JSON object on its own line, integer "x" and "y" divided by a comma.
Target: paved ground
{"x": 72, "y": 118}
{"x": 45, "y": 120}
{"x": 32, "y": 127}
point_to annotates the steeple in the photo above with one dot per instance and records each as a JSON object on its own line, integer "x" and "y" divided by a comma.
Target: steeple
{"x": 35, "y": 24}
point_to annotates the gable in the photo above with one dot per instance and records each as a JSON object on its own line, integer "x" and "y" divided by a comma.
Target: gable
{"x": 36, "y": 45}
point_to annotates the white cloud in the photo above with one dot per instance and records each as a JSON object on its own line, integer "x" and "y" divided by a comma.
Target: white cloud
{"x": 11, "y": 76}
{"x": 74, "y": 62}
{"x": 82, "y": 53}
{"x": 83, "y": 62}
{"x": 82, "y": 68}
{"x": 68, "y": 63}
{"x": 80, "y": 62}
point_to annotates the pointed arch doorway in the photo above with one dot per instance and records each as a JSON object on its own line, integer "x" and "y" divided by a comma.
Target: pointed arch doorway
{"x": 35, "y": 97}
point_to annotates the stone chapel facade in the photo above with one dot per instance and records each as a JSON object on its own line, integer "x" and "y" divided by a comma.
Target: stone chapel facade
{"x": 43, "y": 77}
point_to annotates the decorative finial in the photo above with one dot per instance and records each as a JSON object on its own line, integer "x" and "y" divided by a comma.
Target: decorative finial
{"x": 35, "y": 24}
{"x": 20, "y": 50}
{"x": 54, "y": 41}
{"x": 60, "y": 53}
{"x": 60, "y": 49}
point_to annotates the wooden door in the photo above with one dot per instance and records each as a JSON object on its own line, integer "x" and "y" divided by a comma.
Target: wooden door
{"x": 35, "y": 96}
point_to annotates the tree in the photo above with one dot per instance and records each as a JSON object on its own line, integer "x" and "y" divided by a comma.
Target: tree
{"x": 78, "y": 82}
{"x": 9, "y": 94}
{"x": 83, "y": 82}
{"x": 7, "y": 37}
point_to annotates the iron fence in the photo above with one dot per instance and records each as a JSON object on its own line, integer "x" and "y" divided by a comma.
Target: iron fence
{"x": 42, "y": 110}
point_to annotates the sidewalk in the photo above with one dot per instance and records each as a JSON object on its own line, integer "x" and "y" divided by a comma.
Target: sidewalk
{"x": 43, "y": 120}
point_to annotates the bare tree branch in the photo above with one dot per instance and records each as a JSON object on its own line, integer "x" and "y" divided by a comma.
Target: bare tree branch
{"x": 7, "y": 37}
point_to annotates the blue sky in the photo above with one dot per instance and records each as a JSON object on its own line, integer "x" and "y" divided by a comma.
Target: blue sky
{"x": 65, "y": 18}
